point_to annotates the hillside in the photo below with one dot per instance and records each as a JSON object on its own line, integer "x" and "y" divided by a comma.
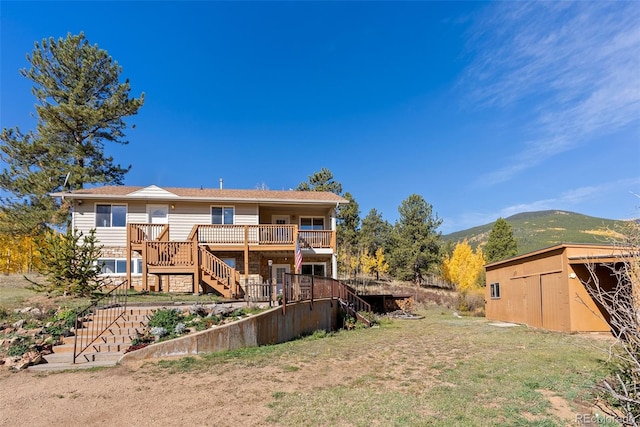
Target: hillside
{"x": 537, "y": 230}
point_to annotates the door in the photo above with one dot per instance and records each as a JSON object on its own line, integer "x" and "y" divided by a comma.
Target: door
{"x": 158, "y": 214}
{"x": 278, "y": 272}
{"x": 281, "y": 235}
{"x": 534, "y": 301}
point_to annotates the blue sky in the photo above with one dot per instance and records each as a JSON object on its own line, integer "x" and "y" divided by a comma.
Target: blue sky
{"x": 484, "y": 109}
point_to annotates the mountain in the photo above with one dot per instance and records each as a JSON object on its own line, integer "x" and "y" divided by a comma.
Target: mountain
{"x": 537, "y": 230}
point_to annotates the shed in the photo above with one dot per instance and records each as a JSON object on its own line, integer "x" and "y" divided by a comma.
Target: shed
{"x": 547, "y": 288}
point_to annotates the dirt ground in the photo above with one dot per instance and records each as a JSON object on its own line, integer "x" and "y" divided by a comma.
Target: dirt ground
{"x": 132, "y": 395}
{"x": 145, "y": 395}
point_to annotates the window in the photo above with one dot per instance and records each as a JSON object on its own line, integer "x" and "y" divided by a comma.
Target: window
{"x": 312, "y": 223}
{"x": 111, "y": 215}
{"x": 313, "y": 269}
{"x": 495, "y": 290}
{"x": 118, "y": 266}
{"x": 221, "y": 215}
{"x": 231, "y": 262}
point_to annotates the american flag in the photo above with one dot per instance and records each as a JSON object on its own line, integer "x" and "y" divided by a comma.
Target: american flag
{"x": 298, "y": 257}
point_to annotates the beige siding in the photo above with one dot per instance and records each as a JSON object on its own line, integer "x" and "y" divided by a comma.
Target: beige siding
{"x": 84, "y": 219}
{"x": 184, "y": 216}
{"x": 246, "y": 215}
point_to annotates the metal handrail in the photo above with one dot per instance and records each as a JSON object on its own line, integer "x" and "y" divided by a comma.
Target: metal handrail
{"x": 106, "y": 310}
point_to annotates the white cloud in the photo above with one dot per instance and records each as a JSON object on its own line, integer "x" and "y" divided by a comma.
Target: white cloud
{"x": 575, "y": 66}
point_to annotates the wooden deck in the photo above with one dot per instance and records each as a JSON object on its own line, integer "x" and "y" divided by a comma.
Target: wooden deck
{"x": 160, "y": 255}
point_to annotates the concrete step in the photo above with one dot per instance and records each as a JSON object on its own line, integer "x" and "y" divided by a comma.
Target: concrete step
{"x": 91, "y": 328}
{"x": 58, "y": 362}
{"x": 105, "y": 338}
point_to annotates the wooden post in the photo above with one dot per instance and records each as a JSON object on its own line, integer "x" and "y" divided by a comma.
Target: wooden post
{"x": 246, "y": 254}
{"x": 129, "y": 255}
{"x": 195, "y": 250}
{"x": 145, "y": 283}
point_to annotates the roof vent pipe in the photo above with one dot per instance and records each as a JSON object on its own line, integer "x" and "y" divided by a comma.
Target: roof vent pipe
{"x": 221, "y": 183}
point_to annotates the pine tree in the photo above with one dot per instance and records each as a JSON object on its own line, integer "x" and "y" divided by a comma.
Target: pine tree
{"x": 348, "y": 217}
{"x": 375, "y": 232}
{"x": 415, "y": 240}
{"x": 501, "y": 243}
{"x": 321, "y": 181}
{"x": 70, "y": 263}
{"x": 81, "y": 106}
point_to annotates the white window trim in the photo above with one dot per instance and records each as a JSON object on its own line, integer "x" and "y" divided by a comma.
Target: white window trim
{"x": 134, "y": 271}
{"x": 95, "y": 213}
{"x": 324, "y": 264}
{"x": 324, "y": 221}
{"x": 233, "y": 220}
{"x": 492, "y": 290}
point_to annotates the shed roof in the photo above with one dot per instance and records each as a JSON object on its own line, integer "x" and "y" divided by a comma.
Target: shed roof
{"x": 583, "y": 251}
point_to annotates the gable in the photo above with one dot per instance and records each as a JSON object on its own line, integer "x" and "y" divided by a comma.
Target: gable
{"x": 153, "y": 191}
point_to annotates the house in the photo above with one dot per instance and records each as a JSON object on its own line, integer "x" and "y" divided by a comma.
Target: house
{"x": 203, "y": 240}
{"x": 548, "y": 288}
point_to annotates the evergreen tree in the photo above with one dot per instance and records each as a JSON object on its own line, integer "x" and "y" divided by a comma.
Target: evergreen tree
{"x": 81, "y": 105}
{"x": 348, "y": 226}
{"x": 375, "y": 232}
{"x": 70, "y": 263}
{"x": 415, "y": 240}
{"x": 321, "y": 181}
{"x": 501, "y": 243}
{"x": 349, "y": 223}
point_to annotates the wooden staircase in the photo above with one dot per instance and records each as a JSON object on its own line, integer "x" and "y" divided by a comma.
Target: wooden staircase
{"x": 218, "y": 275}
{"x": 107, "y": 348}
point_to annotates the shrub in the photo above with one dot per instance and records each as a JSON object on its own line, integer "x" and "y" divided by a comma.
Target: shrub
{"x": 472, "y": 302}
{"x": 20, "y": 346}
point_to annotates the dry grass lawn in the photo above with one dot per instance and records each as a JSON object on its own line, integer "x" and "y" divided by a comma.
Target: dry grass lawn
{"x": 441, "y": 370}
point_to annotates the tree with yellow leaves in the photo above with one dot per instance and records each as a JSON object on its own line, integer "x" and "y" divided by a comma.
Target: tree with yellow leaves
{"x": 18, "y": 254}
{"x": 464, "y": 268}
{"x": 375, "y": 263}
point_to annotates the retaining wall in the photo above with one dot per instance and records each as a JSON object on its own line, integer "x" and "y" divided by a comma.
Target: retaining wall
{"x": 270, "y": 327}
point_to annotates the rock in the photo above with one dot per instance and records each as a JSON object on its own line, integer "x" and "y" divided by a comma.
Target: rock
{"x": 19, "y": 324}
{"x": 33, "y": 357}
{"x": 35, "y": 312}
{"x": 222, "y": 311}
{"x": 22, "y": 364}
{"x": 25, "y": 310}
{"x": 11, "y": 361}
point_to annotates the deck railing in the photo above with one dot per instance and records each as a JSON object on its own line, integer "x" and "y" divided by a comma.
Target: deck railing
{"x": 219, "y": 269}
{"x": 302, "y": 287}
{"x": 97, "y": 318}
{"x": 169, "y": 254}
{"x": 139, "y": 233}
{"x": 264, "y": 235}
{"x": 316, "y": 238}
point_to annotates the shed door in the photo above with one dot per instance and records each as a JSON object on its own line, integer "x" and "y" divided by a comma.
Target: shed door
{"x": 534, "y": 301}
{"x": 555, "y": 303}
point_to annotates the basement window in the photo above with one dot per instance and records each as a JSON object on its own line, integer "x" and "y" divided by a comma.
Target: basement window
{"x": 495, "y": 290}
{"x": 118, "y": 266}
